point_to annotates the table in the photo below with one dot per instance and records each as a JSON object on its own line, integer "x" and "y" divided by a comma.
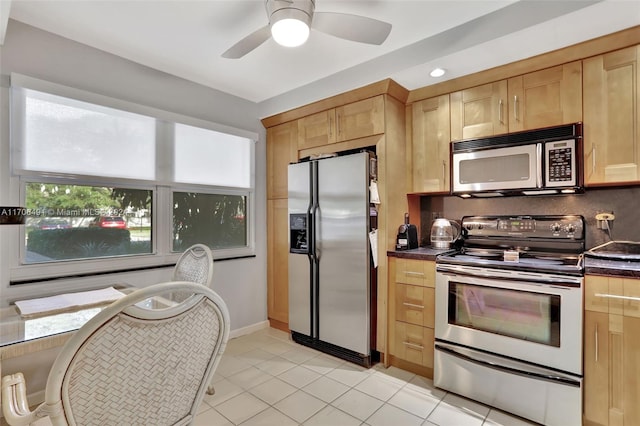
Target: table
{"x": 30, "y": 345}
{"x": 20, "y": 336}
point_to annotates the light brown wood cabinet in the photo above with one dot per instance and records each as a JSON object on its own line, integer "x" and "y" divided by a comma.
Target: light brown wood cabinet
{"x": 479, "y": 111}
{"x": 352, "y": 121}
{"x": 612, "y": 117}
{"x": 414, "y": 343}
{"x": 360, "y": 119}
{"x": 412, "y": 293}
{"x": 371, "y": 117}
{"x": 431, "y": 136}
{"x": 278, "y": 261}
{"x": 317, "y": 129}
{"x": 281, "y": 150}
{"x": 612, "y": 351}
{"x": 544, "y": 98}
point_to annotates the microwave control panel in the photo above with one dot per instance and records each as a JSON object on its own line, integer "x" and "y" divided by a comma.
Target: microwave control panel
{"x": 560, "y": 160}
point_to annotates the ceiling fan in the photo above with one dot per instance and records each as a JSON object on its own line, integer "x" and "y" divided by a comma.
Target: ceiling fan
{"x": 291, "y": 20}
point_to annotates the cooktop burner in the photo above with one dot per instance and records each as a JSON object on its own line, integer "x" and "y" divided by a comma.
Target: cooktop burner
{"x": 552, "y": 244}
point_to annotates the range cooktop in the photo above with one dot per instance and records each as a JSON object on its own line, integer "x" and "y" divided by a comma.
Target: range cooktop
{"x": 617, "y": 250}
{"x": 541, "y": 244}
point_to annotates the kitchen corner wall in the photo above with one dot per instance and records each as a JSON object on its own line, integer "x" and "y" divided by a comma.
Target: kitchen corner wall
{"x": 39, "y": 54}
{"x": 623, "y": 202}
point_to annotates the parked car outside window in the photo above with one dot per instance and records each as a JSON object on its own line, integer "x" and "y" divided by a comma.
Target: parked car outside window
{"x": 54, "y": 223}
{"x": 110, "y": 222}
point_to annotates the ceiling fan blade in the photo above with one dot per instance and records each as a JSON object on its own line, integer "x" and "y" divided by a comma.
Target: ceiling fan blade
{"x": 351, "y": 27}
{"x": 248, "y": 43}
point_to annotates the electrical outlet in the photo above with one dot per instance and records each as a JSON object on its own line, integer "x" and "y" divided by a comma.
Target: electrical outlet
{"x": 605, "y": 216}
{"x": 602, "y": 220}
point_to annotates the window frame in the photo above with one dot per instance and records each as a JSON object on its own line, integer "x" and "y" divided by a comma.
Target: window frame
{"x": 162, "y": 188}
{"x": 228, "y": 253}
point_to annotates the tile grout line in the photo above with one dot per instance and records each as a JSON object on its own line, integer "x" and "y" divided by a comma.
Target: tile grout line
{"x": 303, "y": 364}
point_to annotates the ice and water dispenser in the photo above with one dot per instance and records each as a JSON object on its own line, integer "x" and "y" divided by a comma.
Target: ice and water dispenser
{"x": 298, "y": 233}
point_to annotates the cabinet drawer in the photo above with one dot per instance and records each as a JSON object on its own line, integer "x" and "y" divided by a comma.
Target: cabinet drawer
{"x": 620, "y": 296}
{"x": 416, "y": 272}
{"x": 414, "y": 343}
{"x": 415, "y": 304}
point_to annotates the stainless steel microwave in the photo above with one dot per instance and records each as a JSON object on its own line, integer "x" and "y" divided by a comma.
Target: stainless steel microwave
{"x": 536, "y": 162}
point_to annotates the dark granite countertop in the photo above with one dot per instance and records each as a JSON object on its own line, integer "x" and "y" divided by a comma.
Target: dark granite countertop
{"x": 593, "y": 266}
{"x": 421, "y": 253}
{"x": 609, "y": 267}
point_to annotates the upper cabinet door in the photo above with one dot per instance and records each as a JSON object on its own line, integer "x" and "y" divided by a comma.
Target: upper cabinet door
{"x": 430, "y": 145}
{"x": 360, "y": 119}
{"x": 281, "y": 150}
{"x": 545, "y": 98}
{"x": 317, "y": 129}
{"x": 612, "y": 117}
{"x": 479, "y": 111}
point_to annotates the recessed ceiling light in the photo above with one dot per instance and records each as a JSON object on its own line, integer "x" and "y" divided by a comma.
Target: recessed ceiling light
{"x": 437, "y": 72}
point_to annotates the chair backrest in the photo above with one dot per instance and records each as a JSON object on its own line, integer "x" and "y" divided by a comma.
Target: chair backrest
{"x": 132, "y": 365}
{"x": 195, "y": 265}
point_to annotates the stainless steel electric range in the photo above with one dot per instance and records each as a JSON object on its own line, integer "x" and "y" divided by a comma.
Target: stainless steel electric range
{"x": 508, "y": 328}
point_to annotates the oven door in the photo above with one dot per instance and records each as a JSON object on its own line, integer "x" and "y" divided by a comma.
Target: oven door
{"x": 535, "y": 318}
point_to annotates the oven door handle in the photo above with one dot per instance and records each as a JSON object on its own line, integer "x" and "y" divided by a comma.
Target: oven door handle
{"x": 520, "y": 277}
{"x": 500, "y": 367}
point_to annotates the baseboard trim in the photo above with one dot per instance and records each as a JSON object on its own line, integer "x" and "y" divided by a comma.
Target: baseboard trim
{"x": 248, "y": 329}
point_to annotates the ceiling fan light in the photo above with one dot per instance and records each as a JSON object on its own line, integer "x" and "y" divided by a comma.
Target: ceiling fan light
{"x": 290, "y": 32}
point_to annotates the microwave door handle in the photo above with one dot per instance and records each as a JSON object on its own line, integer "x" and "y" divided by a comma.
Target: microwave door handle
{"x": 539, "y": 166}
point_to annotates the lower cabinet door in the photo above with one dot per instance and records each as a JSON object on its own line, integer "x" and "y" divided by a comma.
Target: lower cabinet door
{"x": 596, "y": 368}
{"x": 414, "y": 343}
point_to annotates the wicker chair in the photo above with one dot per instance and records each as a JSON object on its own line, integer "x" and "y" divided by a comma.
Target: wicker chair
{"x": 131, "y": 365}
{"x": 195, "y": 265}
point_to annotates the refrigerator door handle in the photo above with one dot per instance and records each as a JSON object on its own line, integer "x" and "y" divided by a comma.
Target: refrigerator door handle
{"x": 315, "y": 259}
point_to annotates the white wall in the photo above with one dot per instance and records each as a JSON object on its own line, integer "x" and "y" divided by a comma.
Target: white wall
{"x": 42, "y": 55}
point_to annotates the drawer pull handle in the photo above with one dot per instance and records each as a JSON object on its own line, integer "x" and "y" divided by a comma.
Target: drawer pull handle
{"x": 615, "y": 296}
{"x": 413, "y": 305}
{"x": 413, "y": 345}
{"x": 414, "y": 274}
{"x": 597, "y": 346}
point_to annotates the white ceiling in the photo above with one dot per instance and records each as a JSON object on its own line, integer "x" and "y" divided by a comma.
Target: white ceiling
{"x": 186, "y": 38}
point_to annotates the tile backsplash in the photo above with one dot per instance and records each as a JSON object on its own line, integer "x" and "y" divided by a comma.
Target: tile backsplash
{"x": 623, "y": 202}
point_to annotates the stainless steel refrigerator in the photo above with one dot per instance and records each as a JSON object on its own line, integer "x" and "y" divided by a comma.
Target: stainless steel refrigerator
{"x": 331, "y": 294}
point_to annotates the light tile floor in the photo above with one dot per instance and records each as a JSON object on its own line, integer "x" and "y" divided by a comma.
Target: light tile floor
{"x": 266, "y": 379}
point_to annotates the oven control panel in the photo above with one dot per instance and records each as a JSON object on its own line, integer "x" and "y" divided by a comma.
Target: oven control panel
{"x": 561, "y": 227}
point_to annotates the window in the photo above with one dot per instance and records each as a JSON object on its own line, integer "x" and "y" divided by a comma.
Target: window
{"x": 97, "y": 176}
{"x": 207, "y": 157}
{"x": 78, "y": 222}
{"x": 62, "y": 135}
{"x": 217, "y": 220}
